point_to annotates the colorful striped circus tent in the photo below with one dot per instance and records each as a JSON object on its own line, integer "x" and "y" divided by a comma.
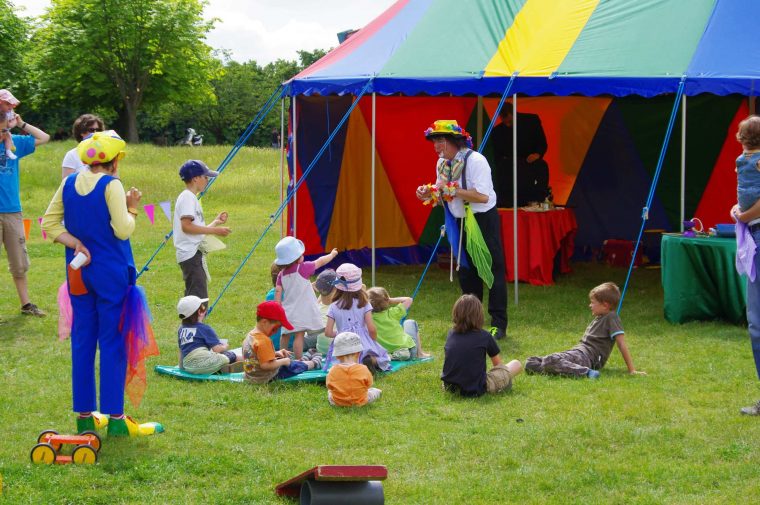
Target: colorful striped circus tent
{"x": 602, "y": 76}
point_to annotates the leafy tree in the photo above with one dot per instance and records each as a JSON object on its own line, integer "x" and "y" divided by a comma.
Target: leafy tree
{"x": 13, "y": 36}
{"x": 309, "y": 57}
{"x": 127, "y": 55}
{"x": 241, "y": 90}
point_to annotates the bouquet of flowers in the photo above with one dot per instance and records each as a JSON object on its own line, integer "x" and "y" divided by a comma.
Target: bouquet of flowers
{"x": 437, "y": 191}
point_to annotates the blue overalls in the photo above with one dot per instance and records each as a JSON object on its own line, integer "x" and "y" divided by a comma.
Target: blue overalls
{"x": 97, "y": 312}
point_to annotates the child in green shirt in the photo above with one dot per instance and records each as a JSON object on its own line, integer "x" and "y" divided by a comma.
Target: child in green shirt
{"x": 401, "y": 342}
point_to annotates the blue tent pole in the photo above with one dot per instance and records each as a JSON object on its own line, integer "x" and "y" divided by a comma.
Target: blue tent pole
{"x": 252, "y": 126}
{"x": 273, "y": 218}
{"x": 498, "y": 110}
{"x": 653, "y": 187}
{"x": 430, "y": 260}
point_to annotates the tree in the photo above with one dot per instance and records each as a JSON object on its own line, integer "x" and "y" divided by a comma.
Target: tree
{"x": 124, "y": 54}
{"x": 241, "y": 90}
{"x": 13, "y": 34}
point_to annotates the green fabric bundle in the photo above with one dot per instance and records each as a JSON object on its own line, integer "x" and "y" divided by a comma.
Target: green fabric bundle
{"x": 477, "y": 248}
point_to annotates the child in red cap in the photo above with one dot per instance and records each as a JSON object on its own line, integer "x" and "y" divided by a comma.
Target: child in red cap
{"x": 261, "y": 363}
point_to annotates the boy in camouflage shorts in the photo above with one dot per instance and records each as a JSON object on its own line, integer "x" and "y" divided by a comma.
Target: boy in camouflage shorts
{"x": 591, "y": 353}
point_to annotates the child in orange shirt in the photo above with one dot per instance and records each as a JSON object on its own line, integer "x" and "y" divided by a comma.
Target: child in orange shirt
{"x": 261, "y": 364}
{"x": 349, "y": 383}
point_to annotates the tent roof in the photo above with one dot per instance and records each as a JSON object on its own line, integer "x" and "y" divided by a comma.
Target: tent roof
{"x": 587, "y": 47}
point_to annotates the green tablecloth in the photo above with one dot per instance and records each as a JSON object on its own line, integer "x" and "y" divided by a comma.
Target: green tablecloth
{"x": 699, "y": 279}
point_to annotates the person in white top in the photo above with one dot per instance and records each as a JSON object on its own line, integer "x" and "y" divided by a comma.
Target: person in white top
{"x": 458, "y": 163}
{"x": 84, "y": 125}
{"x": 189, "y": 228}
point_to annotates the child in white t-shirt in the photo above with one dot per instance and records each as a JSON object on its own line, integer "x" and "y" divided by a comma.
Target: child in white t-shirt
{"x": 190, "y": 228}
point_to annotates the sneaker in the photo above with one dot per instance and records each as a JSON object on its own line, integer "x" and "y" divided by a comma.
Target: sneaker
{"x": 497, "y": 333}
{"x": 31, "y": 309}
{"x": 593, "y": 374}
{"x": 754, "y": 410}
{"x": 128, "y": 427}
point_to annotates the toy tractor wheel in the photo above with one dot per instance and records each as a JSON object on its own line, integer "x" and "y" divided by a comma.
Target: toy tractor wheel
{"x": 94, "y": 439}
{"x": 43, "y": 453}
{"x": 84, "y": 455}
{"x": 41, "y": 439}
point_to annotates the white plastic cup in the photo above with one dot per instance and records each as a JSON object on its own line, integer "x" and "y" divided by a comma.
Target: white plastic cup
{"x": 78, "y": 261}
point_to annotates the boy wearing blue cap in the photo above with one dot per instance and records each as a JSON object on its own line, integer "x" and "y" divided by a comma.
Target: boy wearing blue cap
{"x": 190, "y": 228}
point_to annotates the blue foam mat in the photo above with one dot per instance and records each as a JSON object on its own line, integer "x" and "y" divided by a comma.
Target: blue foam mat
{"x": 311, "y": 376}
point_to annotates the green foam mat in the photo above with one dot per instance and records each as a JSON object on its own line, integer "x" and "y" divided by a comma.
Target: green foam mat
{"x": 313, "y": 376}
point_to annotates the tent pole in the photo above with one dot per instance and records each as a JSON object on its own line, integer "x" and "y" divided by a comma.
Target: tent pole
{"x": 295, "y": 165}
{"x": 653, "y": 187}
{"x": 374, "y": 97}
{"x": 479, "y": 127}
{"x": 683, "y": 160}
{"x": 282, "y": 164}
{"x": 514, "y": 190}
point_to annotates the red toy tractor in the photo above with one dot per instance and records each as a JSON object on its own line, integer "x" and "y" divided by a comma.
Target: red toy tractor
{"x": 49, "y": 444}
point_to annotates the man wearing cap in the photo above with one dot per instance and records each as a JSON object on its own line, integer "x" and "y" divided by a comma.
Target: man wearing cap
{"x": 467, "y": 175}
{"x": 99, "y": 218}
{"x": 12, "y": 235}
{"x": 189, "y": 228}
{"x": 261, "y": 363}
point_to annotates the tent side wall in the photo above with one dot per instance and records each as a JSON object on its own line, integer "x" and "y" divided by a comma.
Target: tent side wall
{"x": 601, "y": 154}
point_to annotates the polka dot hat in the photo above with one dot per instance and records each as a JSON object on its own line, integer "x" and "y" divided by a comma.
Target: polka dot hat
{"x": 101, "y": 147}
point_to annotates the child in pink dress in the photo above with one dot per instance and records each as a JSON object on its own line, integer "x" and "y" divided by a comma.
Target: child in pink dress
{"x": 352, "y": 312}
{"x": 300, "y": 304}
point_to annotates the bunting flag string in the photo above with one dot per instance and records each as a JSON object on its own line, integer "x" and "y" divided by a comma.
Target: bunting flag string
{"x": 149, "y": 208}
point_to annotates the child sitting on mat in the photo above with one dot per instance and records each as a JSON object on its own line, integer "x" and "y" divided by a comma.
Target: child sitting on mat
{"x": 351, "y": 311}
{"x": 402, "y": 342}
{"x": 301, "y": 303}
{"x": 262, "y": 363}
{"x": 464, "y": 365}
{"x": 325, "y": 288}
{"x": 349, "y": 383}
{"x": 200, "y": 350}
{"x": 591, "y": 353}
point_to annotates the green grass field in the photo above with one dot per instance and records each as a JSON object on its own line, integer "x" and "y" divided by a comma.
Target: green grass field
{"x": 674, "y": 436}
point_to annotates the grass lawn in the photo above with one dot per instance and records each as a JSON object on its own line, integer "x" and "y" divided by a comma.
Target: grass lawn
{"x": 674, "y": 436}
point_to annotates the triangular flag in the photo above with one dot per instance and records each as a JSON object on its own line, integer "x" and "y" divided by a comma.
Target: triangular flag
{"x": 167, "y": 208}
{"x": 44, "y": 235}
{"x": 149, "y": 208}
{"x": 27, "y": 228}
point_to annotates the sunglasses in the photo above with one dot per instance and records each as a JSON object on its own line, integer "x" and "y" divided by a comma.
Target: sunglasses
{"x": 93, "y": 129}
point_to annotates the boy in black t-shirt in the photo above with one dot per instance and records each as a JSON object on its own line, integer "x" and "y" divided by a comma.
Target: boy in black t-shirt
{"x": 591, "y": 353}
{"x": 464, "y": 366}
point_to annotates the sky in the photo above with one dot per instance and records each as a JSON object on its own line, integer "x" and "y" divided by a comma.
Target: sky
{"x": 267, "y": 30}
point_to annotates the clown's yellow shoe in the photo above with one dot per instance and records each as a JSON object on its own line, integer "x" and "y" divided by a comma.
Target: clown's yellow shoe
{"x": 128, "y": 427}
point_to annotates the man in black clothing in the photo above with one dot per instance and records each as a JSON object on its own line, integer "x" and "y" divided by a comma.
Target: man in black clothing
{"x": 532, "y": 170}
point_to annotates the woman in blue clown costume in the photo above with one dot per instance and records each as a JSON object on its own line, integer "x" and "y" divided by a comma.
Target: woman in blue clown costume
{"x": 464, "y": 186}
{"x": 91, "y": 214}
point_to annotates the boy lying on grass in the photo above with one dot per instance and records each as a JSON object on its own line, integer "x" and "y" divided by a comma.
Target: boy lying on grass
{"x": 591, "y": 353}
